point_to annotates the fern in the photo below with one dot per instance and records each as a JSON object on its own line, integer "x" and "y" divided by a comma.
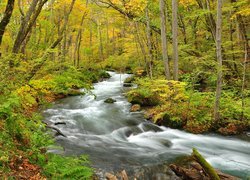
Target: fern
{"x": 60, "y": 167}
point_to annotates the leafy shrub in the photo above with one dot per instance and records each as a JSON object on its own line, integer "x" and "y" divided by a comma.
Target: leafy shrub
{"x": 179, "y": 106}
{"x": 151, "y": 93}
{"x": 67, "y": 167}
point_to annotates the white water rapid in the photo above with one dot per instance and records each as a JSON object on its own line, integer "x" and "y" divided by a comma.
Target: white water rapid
{"x": 116, "y": 139}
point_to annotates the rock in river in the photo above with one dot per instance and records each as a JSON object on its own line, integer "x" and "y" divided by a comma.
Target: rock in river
{"x": 110, "y": 100}
{"x": 135, "y": 108}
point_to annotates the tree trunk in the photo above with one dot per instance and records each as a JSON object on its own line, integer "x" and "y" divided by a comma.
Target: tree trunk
{"x": 210, "y": 22}
{"x": 6, "y": 19}
{"x": 244, "y": 82}
{"x": 78, "y": 50}
{"x": 53, "y": 45}
{"x": 219, "y": 59}
{"x": 143, "y": 51}
{"x": 78, "y": 37}
{"x": 150, "y": 63}
{"x": 164, "y": 39}
{"x": 27, "y": 23}
{"x": 114, "y": 42}
{"x": 175, "y": 36}
{"x": 205, "y": 165}
{"x": 183, "y": 28}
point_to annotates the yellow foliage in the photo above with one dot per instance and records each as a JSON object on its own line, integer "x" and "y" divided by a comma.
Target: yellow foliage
{"x": 27, "y": 95}
{"x": 133, "y": 6}
{"x": 187, "y": 3}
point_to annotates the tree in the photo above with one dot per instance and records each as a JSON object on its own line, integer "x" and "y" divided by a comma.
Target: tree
{"x": 27, "y": 22}
{"x": 54, "y": 44}
{"x": 6, "y": 19}
{"x": 164, "y": 38}
{"x": 219, "y": 61}
{"x": 150, "y": 62}
{"x": 175, "y": 36}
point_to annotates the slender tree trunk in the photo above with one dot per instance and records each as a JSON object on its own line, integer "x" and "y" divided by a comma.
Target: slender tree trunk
{"x": 183, "y": 28}
{"x": 107, "y": 37}
{"x": 244, "y": 82}
{"x": 6, "y": 19}
{"x": 27, "y": 23}
{"x": 210, "y": 22}
{"x": 164, "y": 39}
{"x": 143, "y": 51}
{"x": 175, "y": 36}
{"x": 78, "y": 50}
{"x": 194, "y": 30}
{"x": 77, "y": 41}
{"x": 235, "y": 68}
{"x": 137, "y": 48}
{"x": 101, "y": 54}
{"x": 53, "y": 45}
{"x": 150, "y": 63}
{"x": 219, "y": 59}
{"x": 90, "y": 40}
{"x": 114, "y": 42}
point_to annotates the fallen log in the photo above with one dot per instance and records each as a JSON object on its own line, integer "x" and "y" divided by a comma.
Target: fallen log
{"x": 58, "y": 131}
{"x": 205, "y": 165}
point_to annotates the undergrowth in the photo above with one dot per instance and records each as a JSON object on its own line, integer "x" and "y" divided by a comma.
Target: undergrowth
{"x": 23, "y": 135}
{"x": 175, "y": 104}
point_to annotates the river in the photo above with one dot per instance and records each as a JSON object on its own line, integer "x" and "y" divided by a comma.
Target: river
{"x": 117, "y": 139}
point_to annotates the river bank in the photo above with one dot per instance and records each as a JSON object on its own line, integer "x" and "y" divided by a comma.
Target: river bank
{"x": 24, "y": 139}
{"x": 176, "y": 105}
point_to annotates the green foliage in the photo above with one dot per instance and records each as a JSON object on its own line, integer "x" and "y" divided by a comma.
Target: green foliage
{"x": 67, "y": 167}
{"x": 103, "y": 74}
{"x": 22, "y": 131}
{"x": 150, "y": 93}
{"x": 207, "y": 167}
{"x": 180, "y": 105}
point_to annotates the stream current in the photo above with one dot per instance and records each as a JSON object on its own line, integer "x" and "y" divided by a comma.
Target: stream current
{"x": 117, "y": 139}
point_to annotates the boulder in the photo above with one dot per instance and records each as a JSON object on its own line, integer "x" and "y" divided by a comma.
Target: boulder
{"x": 75, "y": 92}
{"x": 129, "y": 79}
{"x": 104, "y": 75}
{"x": 110, "y": 176}
{"x": 168, "y": 122}
{"x": 135, "y": 108}
{"x": 127, "y": 84}
{"x": 110, "y": 100}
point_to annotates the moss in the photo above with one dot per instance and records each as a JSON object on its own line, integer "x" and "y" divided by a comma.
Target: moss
{"x": 171, "y": 122}
{"x": 206, "y": 166}
{"x": 110, "y": 100}
{"x": 104, "y": 74}
{"x": 75, "y": 92}
{"x": 129, "y": 79}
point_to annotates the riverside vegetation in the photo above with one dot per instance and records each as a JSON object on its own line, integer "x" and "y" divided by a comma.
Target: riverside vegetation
{"x": 190, "y": 61}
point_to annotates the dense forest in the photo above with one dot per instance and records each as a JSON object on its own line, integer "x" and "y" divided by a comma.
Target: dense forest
{"x": 189, "y": 60}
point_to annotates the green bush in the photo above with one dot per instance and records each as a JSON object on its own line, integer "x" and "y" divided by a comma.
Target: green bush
{"x": 60, "y": 167}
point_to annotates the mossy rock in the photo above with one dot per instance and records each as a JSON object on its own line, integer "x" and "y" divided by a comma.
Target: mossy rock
{"x": 75, "y": 92}
{"x": 141, "y": 100}
{"x": 169, "y": 122}
{"x": 129, "y": 79}
{"x": 135, "y": 108}
{"x": 104, "y": 75}
{"x": 127, "y": 85}
{"x": 110, "y": 101}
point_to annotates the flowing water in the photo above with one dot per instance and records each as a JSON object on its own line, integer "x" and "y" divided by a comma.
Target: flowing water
{"x": 116, "y": 139}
